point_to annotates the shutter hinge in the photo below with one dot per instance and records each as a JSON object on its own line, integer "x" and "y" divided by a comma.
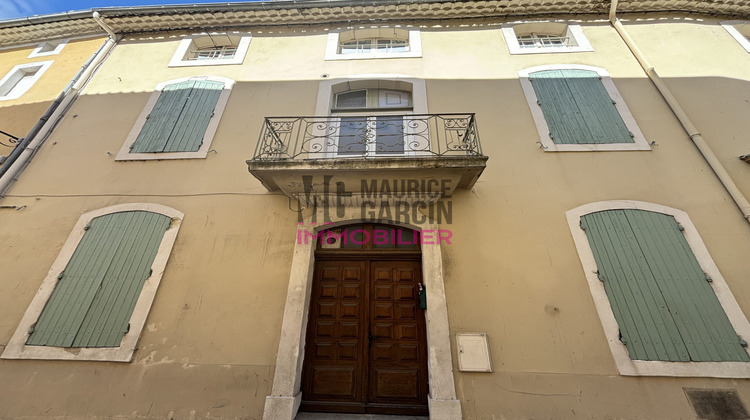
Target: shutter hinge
{"x": 613, "y": 102}
{"x": 150, "y": 272}
{"x": 32, "y": 328}
{"x": 87, "y": 227}
{"x": 538, "y": 102}
{"x": 127, "y": 329}
{"x": 680, "y": 227}
{"x": 623, "y": 340}
{"x": 60, "y": 276}
{"x": 551, "y": 136}
{"x": 743, "y": 343}
{"x": 707, "y": 277}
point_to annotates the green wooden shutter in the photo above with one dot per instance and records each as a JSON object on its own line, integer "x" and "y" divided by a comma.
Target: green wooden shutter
{"x": 93, "y": 301}
{"x": 180, "y": 117}
{"x": 577, "y": 108}
{"x": 664, "y": 306}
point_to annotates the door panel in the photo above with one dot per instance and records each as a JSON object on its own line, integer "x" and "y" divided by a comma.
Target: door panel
{"x": 333, "y": 359}
{"x": 397, "y": 364}
{"x": 366, "y": 347}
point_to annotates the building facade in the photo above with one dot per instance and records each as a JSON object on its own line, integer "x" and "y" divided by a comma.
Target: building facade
{"x": 466, "y": 210}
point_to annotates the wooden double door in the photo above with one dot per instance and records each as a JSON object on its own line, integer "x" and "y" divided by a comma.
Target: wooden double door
{"x": 366, "y": 346}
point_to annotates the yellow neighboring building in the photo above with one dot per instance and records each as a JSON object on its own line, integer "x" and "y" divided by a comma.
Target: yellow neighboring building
{"x": 461, "y": 210}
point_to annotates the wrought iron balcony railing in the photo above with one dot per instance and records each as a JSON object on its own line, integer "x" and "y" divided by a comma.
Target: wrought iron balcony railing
{"x": 368, "y": 136}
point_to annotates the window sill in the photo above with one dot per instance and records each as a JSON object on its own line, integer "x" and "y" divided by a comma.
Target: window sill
{"x": 125, "y": 155}
{"x": 549, "y": 50}
{"x": 372, "y": 56}
{"x": 548, "y": 146}
{"x": 201, "y": 63}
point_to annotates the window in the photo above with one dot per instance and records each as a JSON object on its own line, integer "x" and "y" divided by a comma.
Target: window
{"x": 179, "y": 121}
{"x": 578, "y": 108}
{"x": 665, "y": 308}
{"x": 97, "y": 294}
{"x": 545, "y": 37}
{"x": 21, "y": 78}
{"x": 373, "y": 43}
{"x": 370, "y": 117}
{"x": 211, "y": 49}
{"x": 375, "y": 133}
{"x": 740, "y": 31}
{"x": 48, "y": 48}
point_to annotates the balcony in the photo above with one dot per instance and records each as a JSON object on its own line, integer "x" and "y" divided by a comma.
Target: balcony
{"x": 427, "y": 156}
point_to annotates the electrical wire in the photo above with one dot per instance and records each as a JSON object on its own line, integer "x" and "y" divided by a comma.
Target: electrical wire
{"x": 137, "y": 195}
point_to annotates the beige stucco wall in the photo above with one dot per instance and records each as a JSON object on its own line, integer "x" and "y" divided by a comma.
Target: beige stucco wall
{"x": 709, "y": 73}
{"x": 18, "y": 116}
{"x": 512, "y": 270}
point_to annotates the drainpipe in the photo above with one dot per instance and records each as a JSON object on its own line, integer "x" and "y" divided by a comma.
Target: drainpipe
{"x": 687, "y": 124}
{"x": 22, "y": 154}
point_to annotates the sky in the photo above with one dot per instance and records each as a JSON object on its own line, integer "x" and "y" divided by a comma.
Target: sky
{"x": 11, "y": 9}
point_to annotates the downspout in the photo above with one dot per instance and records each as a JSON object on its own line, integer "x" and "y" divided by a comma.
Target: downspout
{"x": 682, "y": 116}
{"x": 22, "y": 154}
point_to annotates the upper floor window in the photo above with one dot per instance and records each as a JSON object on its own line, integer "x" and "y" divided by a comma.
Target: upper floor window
{"x": 740, "y": 31}
{"x": 179, "y": 120}
{"x": 211, "y": 49}
{"x": 545, "y": 37}
{"x": 97, "y": 295}
{"x": 48, "y": 48}
{"x": 578, "y": 108}
{"x": 373, "y": 43}
{"x": 21, "y": 78}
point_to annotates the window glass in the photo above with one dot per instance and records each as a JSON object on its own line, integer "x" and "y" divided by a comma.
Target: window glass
{"x": 352, "y": 99}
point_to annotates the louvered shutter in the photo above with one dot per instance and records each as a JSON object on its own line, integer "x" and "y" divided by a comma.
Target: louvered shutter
{"x": 577, "y": 108}
{"x": 665, "y": 308}
{"x": 180, "y": 117}
{"x": 93, "y": 301}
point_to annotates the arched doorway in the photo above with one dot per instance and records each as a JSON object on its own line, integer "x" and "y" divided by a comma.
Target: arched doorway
{"x": 366, "y": 347}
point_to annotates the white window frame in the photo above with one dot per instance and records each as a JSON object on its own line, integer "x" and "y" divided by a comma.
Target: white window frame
{"x": 178, "y": 59}
{"x": 208, "y": 137}
{"x": 573, "y": 30}
{"x": 625, "y": 365}
{"x": 326, "y": 96}
{"x": 59, "y": 45}
{"x": 332, "y": 48}
{"x": 639, "y": 141}
{"x": 729, "y": 25}
{"x": 17, "y": 348}
{"x": 15, "y": 94}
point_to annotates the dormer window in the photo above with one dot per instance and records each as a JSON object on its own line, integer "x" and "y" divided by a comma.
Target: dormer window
{"x": 384, "y": 42}
{"x": 212, "y": 53}
{"x": 396, "y": 42}
{"x": 545, "y": 37}
{"x": 48, "y": 48}
{"x": 537, "y": 40}
{"x": 211, "y": 49}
